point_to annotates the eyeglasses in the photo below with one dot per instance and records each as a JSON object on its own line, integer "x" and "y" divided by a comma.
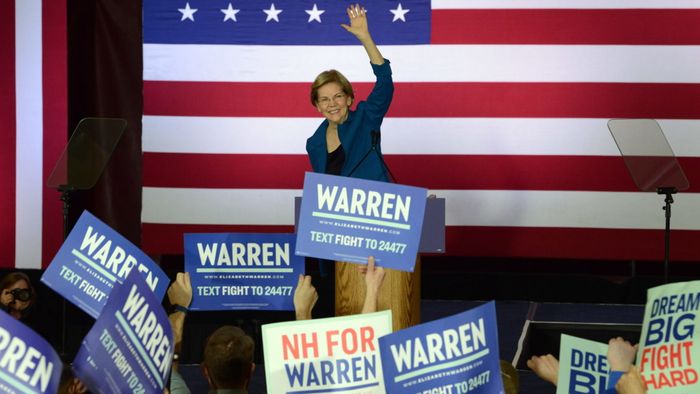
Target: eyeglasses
{"x": 337, "y": 98}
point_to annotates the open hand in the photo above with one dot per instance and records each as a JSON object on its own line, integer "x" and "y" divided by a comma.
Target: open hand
{"x": 621, "y": 354}
{"x": 358, "y": 21}
{"x": 546, "y": 367}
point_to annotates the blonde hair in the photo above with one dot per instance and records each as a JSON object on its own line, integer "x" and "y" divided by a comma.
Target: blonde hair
{"x": 327, "y": 77}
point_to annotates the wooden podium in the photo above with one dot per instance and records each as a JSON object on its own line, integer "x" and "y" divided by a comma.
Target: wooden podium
{"x": 400, "y": 292}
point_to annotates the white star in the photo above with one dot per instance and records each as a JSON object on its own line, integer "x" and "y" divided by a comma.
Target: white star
{"x": 230, "y": 13}
{"x": 399, "y": 13}
{"x": 187, "y": 12}
{"x": 315, "y": 14}
{"x": 272, "y": 13}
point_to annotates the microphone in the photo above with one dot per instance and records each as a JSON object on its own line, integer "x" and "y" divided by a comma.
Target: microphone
{"x": 375, "y": 138}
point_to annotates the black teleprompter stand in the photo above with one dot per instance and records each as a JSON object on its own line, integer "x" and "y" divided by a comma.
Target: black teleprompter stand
{"x": 668, "y": 192}
{"x": 652, "y": 165}
{"x": 79, "y": 167}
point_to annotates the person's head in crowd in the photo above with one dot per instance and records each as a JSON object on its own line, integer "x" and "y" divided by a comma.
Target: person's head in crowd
{"x": 17, "y": 294}
{"x": 510, "y": 377}
{"x": 228, "y": 359}
{"x": 70, "y": 384}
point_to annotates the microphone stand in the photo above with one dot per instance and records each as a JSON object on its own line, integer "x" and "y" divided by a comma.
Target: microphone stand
{"x": 376, "y": 138}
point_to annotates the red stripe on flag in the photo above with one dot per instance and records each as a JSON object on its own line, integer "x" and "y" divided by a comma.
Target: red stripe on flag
{"x": 455, "y": 172}
{"x": 453, "y": 99}
{"x": 520, "y": 242}
{"x": 567, "y": 26}
{"x": 224, "y": 171}
{"x": 55, "y": 96}
{"x": 7, "y": 134}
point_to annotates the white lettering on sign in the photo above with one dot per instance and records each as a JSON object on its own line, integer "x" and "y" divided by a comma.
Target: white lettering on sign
{"x": 250, "y": 254}
{"x": 387, "y": 206}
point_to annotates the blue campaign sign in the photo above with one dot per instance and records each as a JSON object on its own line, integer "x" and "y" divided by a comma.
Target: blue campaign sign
{"x": 130, "y": 347}
{"x": 349, "y": 219}
{"x": 29, "y": 364}
{"x": 92, "y": 260}
{"x": 242, "y": 271}
{"x": 457, "y": 354}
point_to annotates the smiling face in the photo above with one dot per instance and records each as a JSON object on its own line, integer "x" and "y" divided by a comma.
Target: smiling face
{"x": 333, "y": 103}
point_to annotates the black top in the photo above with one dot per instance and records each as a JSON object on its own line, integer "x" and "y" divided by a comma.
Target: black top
{"x": 335, "y": 161}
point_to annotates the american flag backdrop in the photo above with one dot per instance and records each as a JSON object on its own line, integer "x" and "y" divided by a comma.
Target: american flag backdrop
{"x": 33, "y": 124}
{"x": 501, "y": 107}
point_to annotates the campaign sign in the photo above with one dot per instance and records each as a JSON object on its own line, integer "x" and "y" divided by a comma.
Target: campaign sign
{"x": 92, "y": 260}
{"x": 349, "y": 219}
{"x": 129, "y": 349}
{"x": 242, "y": 271}
{"x": 669, "y": 353}
{"x": 583, "y": 366}
{"x": 28, "y": 364}
{"x": 453, "y": 355}
{"x": 336, "y": 354}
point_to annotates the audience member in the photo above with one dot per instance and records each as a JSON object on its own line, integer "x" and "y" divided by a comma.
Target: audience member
{"x": 631, "y": 382}
{"x": 621, "y": 356}
{"x": 228, "y": 354}
{"x": 546, "y": 367}
{"x": 374, "y": 277}
{"x": 305, "y": 297}
{"x": 228, "y": 360}
{"x": 70, "y": 384}
{"x": 510, "y": 377}
{"x": 18, "y": 295}
{"x": 180, "y": 297}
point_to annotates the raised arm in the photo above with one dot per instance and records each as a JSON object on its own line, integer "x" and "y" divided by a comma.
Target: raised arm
{"x": 620, "y": 356}
{"x": 374, "y": 277}
{"x": 631, "y": 382}
{"x": 546, "y": 367}
{"x": 179, "y": 294}
{"x": 358, "y": 27}
{"x": 180, "y": 297}
{"x": 305, "y": 297}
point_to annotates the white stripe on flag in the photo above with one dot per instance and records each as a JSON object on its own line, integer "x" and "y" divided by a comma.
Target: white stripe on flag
{"x": 448, "y": 136}
{"x": 28, "y": 192}
{"x": 468, "y": 63}
{"x": 463, "y": 208}
{"x": 219, "y": 206}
